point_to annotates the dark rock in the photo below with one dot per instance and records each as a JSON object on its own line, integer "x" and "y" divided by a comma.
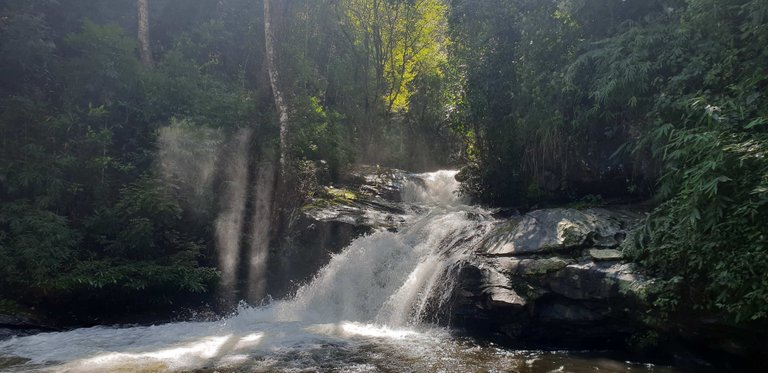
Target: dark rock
{"x": 21, "y": 325}
{"x": 24, "y": 320}
{"x": 528, "y": 267}
{"x": 382, "y": 182}
{"x": 554, "y": 278}
{"x": 506, "y": 213}
{"x": 367, "y": 200}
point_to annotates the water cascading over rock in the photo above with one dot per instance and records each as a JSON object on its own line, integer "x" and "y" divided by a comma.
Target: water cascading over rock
{"x": 382, "y": 281}
{"x": 394, "y": 278}
{"x": 436, "y": 261}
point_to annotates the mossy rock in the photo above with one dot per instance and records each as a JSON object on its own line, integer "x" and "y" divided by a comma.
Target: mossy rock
{"x": 605, "y": 254}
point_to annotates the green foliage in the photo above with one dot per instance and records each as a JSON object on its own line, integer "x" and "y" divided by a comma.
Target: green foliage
{"x": 363, "y": 64}
{"x": 83, "y": 215}
{"x": 562, "y": 100}
{"x": 108, "y": 275}
{"x": 706, "y": 240}
{"x": 319, "y": 135}
{"x": 99, "y": 67}
{"x": 35, "y": 245}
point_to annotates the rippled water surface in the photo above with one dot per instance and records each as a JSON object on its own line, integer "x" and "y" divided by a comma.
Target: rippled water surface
{"x": 368, "y": 310}
{"x": 285, "y": 347}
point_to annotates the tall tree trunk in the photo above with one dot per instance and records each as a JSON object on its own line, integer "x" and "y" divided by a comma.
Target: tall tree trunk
{"x": 145, "y": 51}
{"x": 282, "y": 108}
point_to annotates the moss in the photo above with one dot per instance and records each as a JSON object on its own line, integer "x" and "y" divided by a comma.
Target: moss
{"x": 332, "y": 197}
{"x": 542, "y": 266}
{"x": 572, "y": 235}
{"x": 340, "y": 193}
{"x": 604, "y": 254}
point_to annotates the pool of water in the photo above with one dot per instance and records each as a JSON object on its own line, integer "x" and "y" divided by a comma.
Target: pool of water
{"x": 230, "y": 346}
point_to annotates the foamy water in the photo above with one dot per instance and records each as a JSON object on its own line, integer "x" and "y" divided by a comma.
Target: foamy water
{"x": 364, "y": 312}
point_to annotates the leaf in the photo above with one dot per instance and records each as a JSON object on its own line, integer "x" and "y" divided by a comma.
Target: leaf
{"x": 757, "y": 122}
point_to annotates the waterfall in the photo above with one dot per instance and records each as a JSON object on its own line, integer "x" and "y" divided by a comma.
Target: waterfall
{"x": 385, "y": 283}
{"x": 439, "y": 187}
{"x": 370, "y": 309}
{"x": 390, "y": 278}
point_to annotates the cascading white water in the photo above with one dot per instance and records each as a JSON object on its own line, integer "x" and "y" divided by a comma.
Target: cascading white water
{"x": 439, "y": 187}
{"x": 361, "y": 313}
{"x": 387, "y": 277}
{"x": 384, "y": 279}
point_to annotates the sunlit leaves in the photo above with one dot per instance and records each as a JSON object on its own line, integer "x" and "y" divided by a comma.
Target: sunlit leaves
{"x": 400, "y": 38}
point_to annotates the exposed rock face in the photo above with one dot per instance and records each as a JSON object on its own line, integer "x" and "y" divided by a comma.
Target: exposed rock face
{"x": 559, "y": 229}
{"x": 554, "y": 277}
{"x": 367, "y": 199}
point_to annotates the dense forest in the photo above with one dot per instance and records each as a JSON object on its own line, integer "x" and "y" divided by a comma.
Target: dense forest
{"x": 113, "y": 113}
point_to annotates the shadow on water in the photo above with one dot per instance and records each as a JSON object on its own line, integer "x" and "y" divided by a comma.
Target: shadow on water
{"x": 363, "y": 312}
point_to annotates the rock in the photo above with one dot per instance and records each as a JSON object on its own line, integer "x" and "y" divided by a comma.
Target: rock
{"x": 504, "y": 297}
{"x": 22, "y": 324}
{"x": 605, "y": 254}
{"x": 530, "y": 266}
{"x": 558, "y": 305}
{"x": 361, "y": 212}
{"x": 569, "y": 312}
{"x": 549, "y": 230}
{"x": 16, "y": 321}
{"x": 382, "y": 182}
{"x": 497, "y": 288}
{"x": 367, "y": 201}
{"x": 554, "y": 278}
{"x": 597, "y": 281}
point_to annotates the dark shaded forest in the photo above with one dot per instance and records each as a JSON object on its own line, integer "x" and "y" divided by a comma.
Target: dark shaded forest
{"x": 540, "y": 103}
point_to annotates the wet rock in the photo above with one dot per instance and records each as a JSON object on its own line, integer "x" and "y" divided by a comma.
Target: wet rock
{"x": 498, "y": 291}
{"x": 554, "y": 278}
{"x": 375, "y": 181}
{"x": 360, "y": 211}
{"x": 605, "y": 254}
{"x": 23, "y": 324}
{"x": 557, "y": 229}
{"x": 367, "y": 200}
{"x": 597, "y": 281}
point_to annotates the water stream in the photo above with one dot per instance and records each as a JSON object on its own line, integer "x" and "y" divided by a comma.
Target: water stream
{"x": 368, "y": 310}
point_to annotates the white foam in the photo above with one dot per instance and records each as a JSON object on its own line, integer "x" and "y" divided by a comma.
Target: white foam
{"x": 438, "y": 187}
{"x": 377, "y": 289}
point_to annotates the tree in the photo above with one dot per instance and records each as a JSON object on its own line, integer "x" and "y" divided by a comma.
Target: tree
{"x": 280, "y": 104}
{"x": 144, "y": 49}
{"x": 395, "y": 42}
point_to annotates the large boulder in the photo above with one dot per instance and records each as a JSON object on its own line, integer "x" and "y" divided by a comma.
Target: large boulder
{"x": 560, "y": 229}
{"x": 555, "y": 278}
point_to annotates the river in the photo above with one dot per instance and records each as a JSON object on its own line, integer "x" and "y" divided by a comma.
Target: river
{"x": 369, "y": 310}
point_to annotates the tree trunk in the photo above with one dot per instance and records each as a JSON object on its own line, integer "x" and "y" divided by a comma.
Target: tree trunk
{"x": 145, "y": 52}
{"x": 282, "y": 108}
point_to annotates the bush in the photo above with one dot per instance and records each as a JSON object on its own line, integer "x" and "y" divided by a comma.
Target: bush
{"x": 707, "y": 240}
